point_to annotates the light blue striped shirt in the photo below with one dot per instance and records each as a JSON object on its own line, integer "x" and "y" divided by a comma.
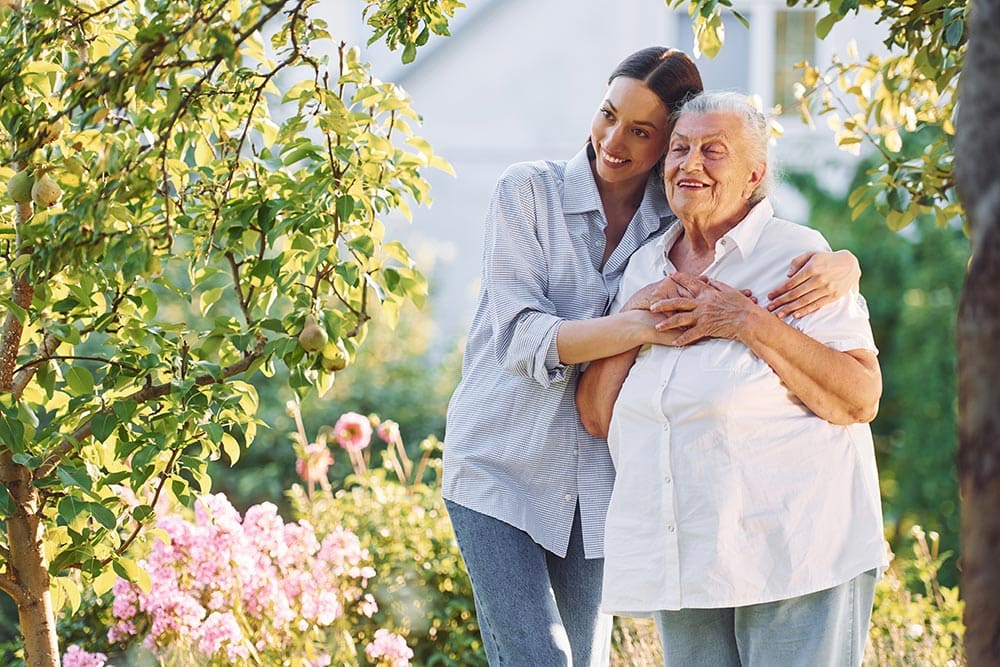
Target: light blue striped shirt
{"x": 514, "y": 446}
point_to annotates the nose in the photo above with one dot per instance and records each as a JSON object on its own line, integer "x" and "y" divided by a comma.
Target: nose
{"x": 613, "y": 139}
{"x": 691, "y": 161}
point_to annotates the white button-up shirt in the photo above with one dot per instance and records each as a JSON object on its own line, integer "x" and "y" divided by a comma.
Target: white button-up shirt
{"x": 728, "y": 490}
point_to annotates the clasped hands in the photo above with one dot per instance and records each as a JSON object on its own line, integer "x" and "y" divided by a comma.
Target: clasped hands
{"x": 691, "y": 308}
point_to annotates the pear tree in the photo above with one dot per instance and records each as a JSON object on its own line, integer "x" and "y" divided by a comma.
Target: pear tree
{"x": 196, "y": 192}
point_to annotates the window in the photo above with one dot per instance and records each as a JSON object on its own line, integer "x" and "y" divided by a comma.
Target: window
{"x": 794, "y": 41}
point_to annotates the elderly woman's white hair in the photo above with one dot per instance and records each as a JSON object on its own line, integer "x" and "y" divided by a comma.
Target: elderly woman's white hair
{"x": 758, "y": 132}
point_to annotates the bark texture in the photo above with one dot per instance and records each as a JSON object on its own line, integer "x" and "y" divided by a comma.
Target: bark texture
{"x": 976, "y": 147}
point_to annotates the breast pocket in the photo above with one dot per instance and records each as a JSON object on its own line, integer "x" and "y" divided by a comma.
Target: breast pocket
{"x": 728, "y": 356}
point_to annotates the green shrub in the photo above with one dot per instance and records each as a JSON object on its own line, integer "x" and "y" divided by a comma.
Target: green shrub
{"x": 916, "y": 628}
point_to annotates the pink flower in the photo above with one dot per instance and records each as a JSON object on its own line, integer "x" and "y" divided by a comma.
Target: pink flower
{"x": 353, "y": 431}
{"x": 389, "y": 431}
{"x": 77, "y": 657}
{"x": 390, "y": 648}
{"x": 318, "y": 459}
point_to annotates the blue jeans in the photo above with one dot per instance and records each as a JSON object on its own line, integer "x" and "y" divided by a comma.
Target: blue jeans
{"x": 824, "y": 629}
{"x": 534, "y": 608}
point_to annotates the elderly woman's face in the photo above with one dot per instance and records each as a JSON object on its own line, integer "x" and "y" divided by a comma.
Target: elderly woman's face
{"x": 708, "y": 174}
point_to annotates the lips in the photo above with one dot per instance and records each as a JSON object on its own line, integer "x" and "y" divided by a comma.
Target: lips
{"x": 691, "y": 183}
{"x": 612, "y": 160}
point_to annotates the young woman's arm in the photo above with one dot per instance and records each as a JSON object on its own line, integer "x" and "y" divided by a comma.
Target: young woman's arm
{"x": 815, "y": 279}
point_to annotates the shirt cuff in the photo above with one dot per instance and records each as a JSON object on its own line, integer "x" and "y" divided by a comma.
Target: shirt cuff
{"x": 548, "y": 368}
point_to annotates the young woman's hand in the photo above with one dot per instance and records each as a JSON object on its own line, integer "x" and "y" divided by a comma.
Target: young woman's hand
{"x": 815, "y": 279}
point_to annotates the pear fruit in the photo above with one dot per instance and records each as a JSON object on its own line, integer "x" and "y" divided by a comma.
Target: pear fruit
{"x": 313, "y": 337}
{"x": 19, "y": 186}
{"x": 45, "y": 192}
{"x": 334, "y": 359}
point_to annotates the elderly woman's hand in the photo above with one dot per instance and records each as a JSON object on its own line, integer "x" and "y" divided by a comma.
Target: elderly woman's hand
{"x": 815, "y": 280}
{"x": 653, "y": 292}
{"x": 714, "y": 310}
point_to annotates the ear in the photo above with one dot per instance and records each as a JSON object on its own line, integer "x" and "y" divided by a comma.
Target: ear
{"x": 756, "y": 178}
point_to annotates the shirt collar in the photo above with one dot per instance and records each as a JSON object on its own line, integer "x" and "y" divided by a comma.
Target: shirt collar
{"x": 580, "y": 193}
{"x": 747, "y": 231}
{"x": 745, "y": 234}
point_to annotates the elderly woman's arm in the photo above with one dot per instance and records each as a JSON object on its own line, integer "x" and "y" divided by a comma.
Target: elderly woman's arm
{"x": 840, "y": 387}
{"x": 598, "y": 390}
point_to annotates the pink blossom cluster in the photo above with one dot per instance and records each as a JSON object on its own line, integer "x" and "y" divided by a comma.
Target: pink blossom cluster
{"x": 317, "y": 459}
{"x": 389, "y": 649}
{"x": 353, "y": 431}
{"x": 232, "y": 588}
{"x": 77, "y": 657}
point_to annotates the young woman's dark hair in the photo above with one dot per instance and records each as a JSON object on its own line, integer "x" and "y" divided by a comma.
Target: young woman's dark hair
{"x": 669, "y": 73}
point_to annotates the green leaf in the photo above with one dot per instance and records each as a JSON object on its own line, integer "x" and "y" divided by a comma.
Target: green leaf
{"x": 103, "y": 515}
{"x": 72, "y": 476}
{"x": 6, "y": 502}
{"x": 124, "y": 409}
{"x": 409, "y": 53}
{"x": 825, "y": 24}
{"x": 953, "y": 33}
{"x": 70, "y": 508}
{"x": 103, "y": 424}
{"x": 363, "y": 244}
{"x": 345, "y": 206}
{"x": 80, "y": 381}
{"x": 12, "y": 433}
{"x": 129, "y": 570}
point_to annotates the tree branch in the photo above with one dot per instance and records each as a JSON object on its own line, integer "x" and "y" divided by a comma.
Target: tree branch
{"x": 24, "y": 374}
{"x": 9, "y": 586}
{"x": 147, "y": 393}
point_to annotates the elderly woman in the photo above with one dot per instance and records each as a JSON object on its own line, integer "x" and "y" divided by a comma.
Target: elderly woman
{"x": 745, "y": 515}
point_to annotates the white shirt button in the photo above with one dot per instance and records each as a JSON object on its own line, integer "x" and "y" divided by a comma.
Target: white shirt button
{"x": 670, "y": 528}
{"x": 668, "y": 479}
{"x": 568, "y": 497}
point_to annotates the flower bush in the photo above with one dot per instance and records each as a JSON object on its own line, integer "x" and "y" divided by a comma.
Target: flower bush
{"x": 393, "y": 504}
{"x": 255, "y": 590}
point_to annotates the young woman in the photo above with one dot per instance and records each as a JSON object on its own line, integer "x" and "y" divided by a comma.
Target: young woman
{"x": 527, "y": 488}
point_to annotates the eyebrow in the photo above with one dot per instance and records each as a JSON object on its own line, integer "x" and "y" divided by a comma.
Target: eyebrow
{"x": 647, "y": 123}
{"x": 711, "y": 137}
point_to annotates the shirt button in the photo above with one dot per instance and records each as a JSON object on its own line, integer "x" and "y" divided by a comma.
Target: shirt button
{"x": 668, "y": 479}
{"x": 576, "y": 451}
{"x": 670, "y": 528}
{"x": 666, "y": 427}
{"x": 568, "y": 497}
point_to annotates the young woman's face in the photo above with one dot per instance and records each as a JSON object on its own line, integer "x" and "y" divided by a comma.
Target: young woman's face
{"x": 629, "y": 131}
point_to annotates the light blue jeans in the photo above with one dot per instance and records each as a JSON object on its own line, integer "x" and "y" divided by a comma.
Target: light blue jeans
{"x": 534, "y": 608}
{"x": 828, "y": 628}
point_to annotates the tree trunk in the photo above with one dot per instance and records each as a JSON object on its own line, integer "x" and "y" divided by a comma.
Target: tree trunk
{"x": 976, "y": 147}
{"x": 29, "y": 568}
{"x": 26, "y": 576}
